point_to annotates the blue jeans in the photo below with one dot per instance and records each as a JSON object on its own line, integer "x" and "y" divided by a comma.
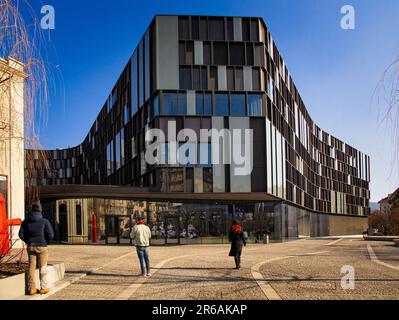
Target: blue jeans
{"x": 142, "y": 253}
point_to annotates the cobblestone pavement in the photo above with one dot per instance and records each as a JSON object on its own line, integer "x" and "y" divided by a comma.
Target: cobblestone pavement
{"x": 303, "y": 269}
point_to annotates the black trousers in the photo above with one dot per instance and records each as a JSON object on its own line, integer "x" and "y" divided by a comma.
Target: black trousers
{"x": 237, "y": 260}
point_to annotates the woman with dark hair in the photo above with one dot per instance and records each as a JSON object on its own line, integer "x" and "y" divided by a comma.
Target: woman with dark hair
{"x": 236, "y": 237}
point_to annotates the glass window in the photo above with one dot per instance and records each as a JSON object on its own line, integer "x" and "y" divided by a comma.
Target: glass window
{"x": 182, "y": 52}
{"x": 156, "y": 105}
{"x": 176, "y": 179}
{"x": 182, "y": 104}
{"x": 208, "y": 180}
{"x": 134, "y": 83}
{"x": 254, "y": 30}
{"x": 184, "y": 28}
{"x": 110, "y": 158}
{"x": 78, "y": 220}
{"x": 126, "y": 114}
{"x": 189, "y": 180}
{"x": 196, "y": 78}
{"x": 134, "y": 149}
{"x": 207, "y": 53}
{"x": 250, "y": 54}
{"x": 208, "y": 104}
{"x": 185, "y": 78}
{"x": 230, "y": 29}
{"x": 259, "y": 55}
{"x": 238, "y": 105}
{"x": 118, "y": 151}
{"x": 245, "y": 30}
{"x": 195, "y": 27}
{"x": 230, "y": 79}
{"x": 147, "y": 65}
{"x": 205, "y": 154}
{"x": 141, "y": 74}
{"x": 216, "y": 28}
{"x": 237, "y": 54}
{"x": 220, "y": 53}
{"x": 221, "y": 104}
{"x": 199, "y": 104}
{"x": 187, "y": 154}
{"x": 255, "y": 105}
{"x": 122, "y": 133}
{"x": 169, "y": 103}
{"x": 213, "y": 84}
{"x": 189, "y": 52}
{"x": 255, "y": 79}
{"x": 204, "y": 78}
{"x": 203, "y": 29}
{"x": 239, "y": 79}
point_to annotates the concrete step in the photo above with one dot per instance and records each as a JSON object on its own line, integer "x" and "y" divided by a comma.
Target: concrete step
{"x": 59, "y": 285}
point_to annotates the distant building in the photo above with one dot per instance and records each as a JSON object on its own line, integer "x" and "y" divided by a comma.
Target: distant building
{"x": 385, "y": 206}
{"x": 394, "y": 204}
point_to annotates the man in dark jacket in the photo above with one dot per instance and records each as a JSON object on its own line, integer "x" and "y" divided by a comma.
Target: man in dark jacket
{"x": 37, "y": 232}
{"x": 236, "y": 237}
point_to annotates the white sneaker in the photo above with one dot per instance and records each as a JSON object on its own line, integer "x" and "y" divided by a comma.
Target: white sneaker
{"x": 148, "y": 274}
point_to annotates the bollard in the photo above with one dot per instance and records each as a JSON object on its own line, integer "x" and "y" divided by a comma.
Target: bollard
{"x": 266, "y": 239}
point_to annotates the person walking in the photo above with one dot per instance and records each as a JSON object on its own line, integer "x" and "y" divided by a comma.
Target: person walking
{"x": 236, "y": 237}
{"x": 36, "y": 232}
{"x": 141, "y": 235}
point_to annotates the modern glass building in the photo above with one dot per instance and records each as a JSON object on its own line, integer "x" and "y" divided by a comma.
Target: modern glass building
{"x": 208, "y": 73}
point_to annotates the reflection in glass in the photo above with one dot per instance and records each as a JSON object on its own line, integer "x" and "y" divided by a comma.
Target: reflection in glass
{"x": 207, "y": 104}
{"x": 255, "y": 105}
{"x": 221, "y": 104}
{"x": 238, "y": 105}
{"x": 199, "y": 104}
{"x": 134, "y": 83}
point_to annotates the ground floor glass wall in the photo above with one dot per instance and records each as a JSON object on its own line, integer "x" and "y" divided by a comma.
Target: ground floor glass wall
{"x": 190, "y": 223}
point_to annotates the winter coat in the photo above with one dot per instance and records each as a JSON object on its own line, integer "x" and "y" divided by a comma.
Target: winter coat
{"x": 141, "y": 234}
{"x": 36, "y": 231}
{"x": 237, "y": 241}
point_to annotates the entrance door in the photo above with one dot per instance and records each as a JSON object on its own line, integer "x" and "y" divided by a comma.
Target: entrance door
{"x": 172, "y": 230}
{"x": 117, "y": 229}
{"x": 63, "y": 223}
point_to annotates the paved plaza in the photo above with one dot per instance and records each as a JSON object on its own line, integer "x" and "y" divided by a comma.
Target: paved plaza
{"x": 303, "y": 269}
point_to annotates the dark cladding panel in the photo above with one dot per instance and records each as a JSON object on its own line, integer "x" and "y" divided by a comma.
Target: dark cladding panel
{"x": 134, "y": 83}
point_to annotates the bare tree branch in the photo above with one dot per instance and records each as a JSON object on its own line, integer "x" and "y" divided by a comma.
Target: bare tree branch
{"x": 22, "y": 39}
{"x": 387, "y": 93}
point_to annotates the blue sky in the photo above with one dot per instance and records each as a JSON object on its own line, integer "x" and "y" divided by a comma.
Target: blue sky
{"x": 335, "y": 70}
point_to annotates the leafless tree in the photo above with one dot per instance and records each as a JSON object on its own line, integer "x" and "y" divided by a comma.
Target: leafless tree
{"x": 22, "y": 39}
{"x": 387, "y": 93}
